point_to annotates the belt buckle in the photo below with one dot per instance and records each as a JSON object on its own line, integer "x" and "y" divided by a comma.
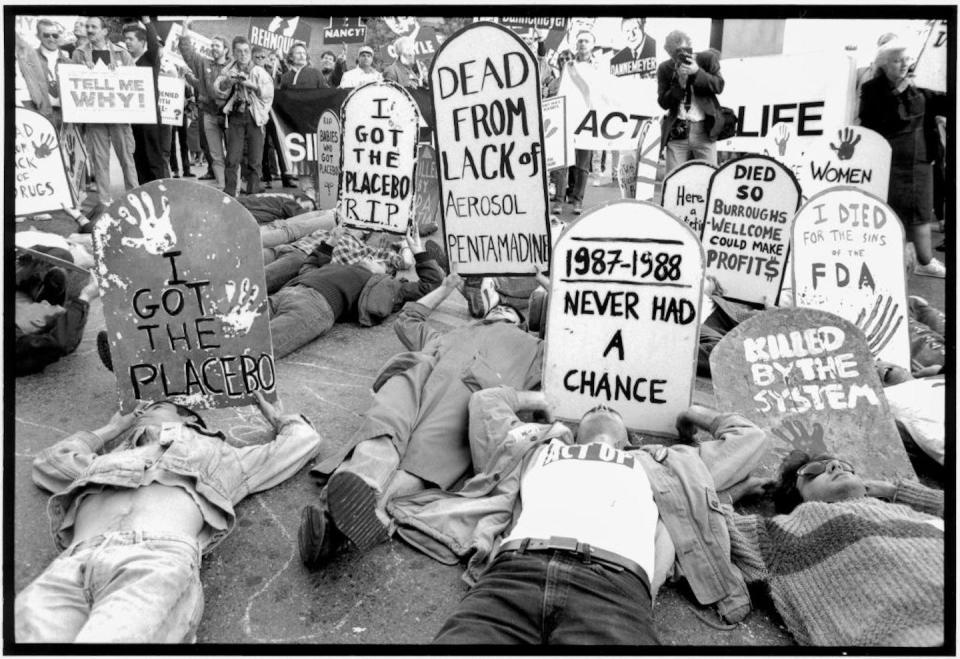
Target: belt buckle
{"x": 564, "y": 544}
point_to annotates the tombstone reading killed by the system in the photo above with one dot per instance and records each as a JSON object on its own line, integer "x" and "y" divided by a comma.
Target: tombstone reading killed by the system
{"x": 623, "y": 317}
{"x": 848, "y": 259}
{"x": 184, "y": 297}
{"x": 746, "y": 230}
{"x": 685, "y": 192}
{"x": 850, "y": 155}
{"x": 99, "y": 95}
{"x": 328, "y": 160}
{"x": 489, "y": 137}
{"x": 427, "y": 194}
{"x": 41, "y": 183}
{"x": 807, "y": 378}
{"x": 378, "y": 158}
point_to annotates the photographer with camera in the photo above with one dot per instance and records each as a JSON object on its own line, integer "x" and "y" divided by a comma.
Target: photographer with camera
{"x": 687, "y": 87}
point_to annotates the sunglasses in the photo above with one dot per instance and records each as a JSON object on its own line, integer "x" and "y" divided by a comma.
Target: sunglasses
{"x": 814, "y": 469}
{"x": 46, "y": 35}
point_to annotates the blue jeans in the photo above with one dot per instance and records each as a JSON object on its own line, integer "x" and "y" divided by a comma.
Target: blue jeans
{"x": 243, "y": 131}
{"x": 552, "y": 598}
{"x": 299, "y": 314}
{"x": 282, "y": 269}
{"x": 697, "y": 146}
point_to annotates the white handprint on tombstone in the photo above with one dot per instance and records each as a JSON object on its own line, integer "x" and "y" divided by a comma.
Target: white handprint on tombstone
{"x": 157, "y": 235}
{"x": 243, "y": 310}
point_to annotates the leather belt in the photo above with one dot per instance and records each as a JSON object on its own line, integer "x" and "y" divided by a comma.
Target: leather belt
{"x": 581, "y": 549}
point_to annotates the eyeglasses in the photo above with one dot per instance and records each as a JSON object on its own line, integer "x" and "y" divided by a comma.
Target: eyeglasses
{"x": 47, "y": 35}
{"x": 814, "y": 469}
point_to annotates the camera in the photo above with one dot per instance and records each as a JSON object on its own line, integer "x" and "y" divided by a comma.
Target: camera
{"x": 685, "y": 55}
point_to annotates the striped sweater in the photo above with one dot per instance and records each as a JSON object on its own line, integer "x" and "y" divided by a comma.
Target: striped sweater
{"x": 861, "y": 572}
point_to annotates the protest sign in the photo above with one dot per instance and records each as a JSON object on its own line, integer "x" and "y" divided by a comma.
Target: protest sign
{"x": 848, "y": 260}
{"x": 930, "y": 70}
{"x": 41, "y": 179}
{"x": 328, "y": 160}
{"x": 378, "y": 158}
{"x": 344, "y": 30}
{"x": 637, "y": 169}
{"x": 850, "y": 155}
{"x": 558, "y": 149}
{"x": 278, "y": 32}
{"x": 184, "y": 297}
{"x": 807, "y": 378}
{"x": 99, "y": 95}
{"x": 639, "y": 56}
{"x": 426, "y": 202}
{"x": 171, "y": 97}
{"x": 781, "y": 144}
{"x": 623, "y": 316}
{"x": 75, "y": 158}
{"x": 746, "y": 230}
{"x": 489, "y": 137}
{"x": 198, "y": 42}
{"x": 685, "y": 192}
{"x": 425, "y": 43}
{"x": 26, "y": 26}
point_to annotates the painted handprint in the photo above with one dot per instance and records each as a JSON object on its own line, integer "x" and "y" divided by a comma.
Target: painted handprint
{"x": 880, "y": 327}
{"x": 797, "y": 436}
{"x": 157, "y": 234}
{"x": 848, "y": 141}
{"x": 548, "y": 128}
{"x": 781, "y": 136}
{"x": 244, "y": 307}
{"x": 46, "y": 146}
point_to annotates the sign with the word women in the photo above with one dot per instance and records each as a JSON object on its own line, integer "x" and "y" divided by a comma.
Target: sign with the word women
{"x": 100, "y": 95}
{"x": 848, "y": 259}
{"x": 184, "y": 297}
{"x": 850, "y": 155}
{"x": 41, "y": 183}
{"x": 685, "y": 192}
{"x": 378, "y": 158}
{"x": 490, "y": 152}
{"x": 328, "y": 160}
{"x": 623, "y": 316}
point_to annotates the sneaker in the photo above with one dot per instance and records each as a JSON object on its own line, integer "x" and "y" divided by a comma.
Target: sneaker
{"x": 353, "y": 510}
{"x": 103, "y": 350}
{"x": 53, "y": 288}
{"x": 577, "y": 208}
{"x": 557, "y": 205}
{"x": 436, "y": 252}
{"x": 268, "y": 185}
{"x": 189, "y": 174}
{"x": 318, "y": 537}
{"x": 207, "y": 177}
{"x": 286, "y": 181}
{"x": 933, "y": 269}
{"x": 176, "y": 175}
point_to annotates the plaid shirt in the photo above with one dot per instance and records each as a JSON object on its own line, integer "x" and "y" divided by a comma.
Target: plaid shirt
{"x": 350, "y": 249}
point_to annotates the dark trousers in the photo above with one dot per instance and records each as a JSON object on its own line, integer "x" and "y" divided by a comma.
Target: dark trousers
{"x": 242, "y": 131}
{"x": 581, "y": 172}
{"x": 204, "y": 146}
{"x": 272, "y": 153}
{"x": 151, "y": 151}
{"x": 552, "y": 598}
{"x": 181, "y": 132}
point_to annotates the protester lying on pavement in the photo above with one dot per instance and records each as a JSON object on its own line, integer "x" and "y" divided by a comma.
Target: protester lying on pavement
{"x": 268, "y": 206}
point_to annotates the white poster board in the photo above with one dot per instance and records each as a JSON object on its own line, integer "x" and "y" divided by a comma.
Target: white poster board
{"x": 328, "y": 160}
{"x": 685, "y": 192}
{"x": 101, "y": 96}
{"x": 41, "y": 183}
{"x": 557, "y": 146}
{"x": 931, "y": 68}
{"x": 850, "y": 155}
{"x": 171, "y": 93}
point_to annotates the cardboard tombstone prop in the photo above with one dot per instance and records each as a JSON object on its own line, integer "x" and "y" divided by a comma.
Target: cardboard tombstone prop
{"x": 427, "y": 192}
{"x": 328, "y": 160}
{"x": 848, "y": 260}
{"x": 557, "y": 146}
{"x": 623, "y": 317}
{"x": 490, "y": 153}
{"x": 75, "y": 159}
{"x": 807, "y": 377}
{"x": 685, "y": 192}
{"x": 184, "y": 297}
{"x": 41, "y": 183}
{"x": 850, "y": 156}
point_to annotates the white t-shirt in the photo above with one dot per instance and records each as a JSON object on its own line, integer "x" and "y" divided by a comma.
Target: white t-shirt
{"x": 591, "y": 492}
{"x": 356, "y": 77}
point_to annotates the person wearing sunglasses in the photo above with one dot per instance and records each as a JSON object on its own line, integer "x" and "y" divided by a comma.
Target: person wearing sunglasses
{"x": 848, "y": 561}
{"x": 50, "y": 58}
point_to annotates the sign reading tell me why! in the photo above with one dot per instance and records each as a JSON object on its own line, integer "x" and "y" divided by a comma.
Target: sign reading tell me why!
{"x": 328, "y": 160}
{"x": 41, "y": 183}
{"x": 489, "y": 136}
{"x": 685, "y": 192}
{"x": 808, "y": 378}
{"x": 746, "y": 231}
{"x": 623, "y": 317}
{"x": 101, "y": 96}
{"x": 378, "y": 158}
{"x": 850, "y": 155}
{"x": 848, "y": 260}
{"x": 184, "y": 297}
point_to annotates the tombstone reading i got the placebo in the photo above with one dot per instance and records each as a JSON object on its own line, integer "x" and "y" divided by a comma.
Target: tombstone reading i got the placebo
{"x": 623, "y": 317}
{"x": 746, "y": 231}
{"x": 378, "y": 158}
{"x": 41, "y": 183}
{"x": 184, "y": 297}
{"x": 685, "y": 192}
{"x": 848, "y": 260}
{"x": 489, "y": 136}
{"x": 852, "y": 155}
{"x": 328, "y": 160}
{"x": 808, "y": 378}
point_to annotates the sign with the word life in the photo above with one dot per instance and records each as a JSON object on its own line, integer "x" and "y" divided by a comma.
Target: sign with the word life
{"x": 746, "y": 230}
{"x": 75, "y": 158}
{"x": 931, "y": 67}
{"x": 328, "y": 160}
{"x": 344, "y": 30}
{"x": 41, "y": 183}
{"x": 558, "y": 149}
{"x": 490, "y": 149}
{"x": 278, "y": 32}
{"x": 623, "y": 316}
{"x": 851, "y": 155}
{"x": 848, "y": 259}
{"x": 807, "y": 378}
{"x": 685, "y": 192}
{"x": 378, "y": 158}
{"x": 170, "y": 90}
{"x": 427, "y": 193}
{"x": 101, "y": 96}
{"x": 184, "y": 297}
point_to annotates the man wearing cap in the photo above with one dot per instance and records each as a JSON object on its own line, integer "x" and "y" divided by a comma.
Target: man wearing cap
{"x": 364, "y": 72}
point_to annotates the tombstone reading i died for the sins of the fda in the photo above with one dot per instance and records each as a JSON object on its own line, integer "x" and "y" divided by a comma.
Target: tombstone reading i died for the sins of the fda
{"x": 41, "y": 183}
{"x": 489, "y": 136}
{"x": 685, "y": 192}
{"x": 623, "y": 316}
{"x": 850, "y": 155}
{"x": 848, "y": 260}
{"x": 746, "y": 230}
{"x": 808, "y": 379}
{"x": 184, "y": 297}
{"x": 378, "y": 158}
{"x": 328, "y": 160}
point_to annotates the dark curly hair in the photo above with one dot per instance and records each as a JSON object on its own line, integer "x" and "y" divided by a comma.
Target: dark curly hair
{"x": 786, "y": 494}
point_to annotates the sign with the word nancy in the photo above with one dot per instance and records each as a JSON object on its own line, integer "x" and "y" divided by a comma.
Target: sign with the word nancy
{"x": 848, "y": 260}
{"x": 100, "y": 96}
{"x": 278, "y": 32}
{"x": 490, "y": 149}
{"x": 378, "y": 158}
{"x": 184, "y": 297}
{"x": 931, "y": 69}
{"x": 41, "y": 183}
{"x": 427, "y": 193}
{"x": 623, "y": 316}
{"x": 746, "y": 229}
{"x": 557, "y": 147}
{"x": 170, "y": 90}
{"x": 344, "y": 30}
{"x": 685, "y": 192}
{"x": 807, "y": 378}
{"x": 75, "y": 159}
{"x": 851, "y": 155}
{"x": 328, "y": 160}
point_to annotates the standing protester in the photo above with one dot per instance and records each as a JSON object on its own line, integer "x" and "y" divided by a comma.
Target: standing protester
{"x": 582, "y": 157}
{"x": 179, "y": 134}
{"x": 152, "y": 140}
{"x": 30, "y": 84}
{"x": 272, "y": 149}
{"x": 687, "y": 87}
{"x": 50, "y": 58}
{"x": 404, "y": 69}
{"x": 331, "y": 67}
{"x": 301, "y": 75}
{"x": 364, "y": 72}
{"x": 79, "y": 36}
{"x": 550, "y": 83}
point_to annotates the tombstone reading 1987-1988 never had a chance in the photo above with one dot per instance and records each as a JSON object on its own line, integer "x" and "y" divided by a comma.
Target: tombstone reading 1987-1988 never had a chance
{"x": 746, "y": 232}
{"x": 378, "y": 158}
{"x": 851, "y": 155}
{"x": 489, "y": 136}
{"x": 848, "y": 259}
{"x": 623, "y": 317}
{"x": 807, "y": 377}
{"x": 184, "y": 297}
{"x": 41, "y": 183}
{"x": 328, "y": 160}
{"x": 685, "y": 192}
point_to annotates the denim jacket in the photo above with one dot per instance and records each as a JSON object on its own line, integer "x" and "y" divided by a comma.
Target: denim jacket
{"x": 219, "y": 473}
{"x": 119, "y": 56}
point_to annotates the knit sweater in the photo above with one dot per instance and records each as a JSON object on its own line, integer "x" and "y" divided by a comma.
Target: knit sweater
{"x": 861, "y": 572}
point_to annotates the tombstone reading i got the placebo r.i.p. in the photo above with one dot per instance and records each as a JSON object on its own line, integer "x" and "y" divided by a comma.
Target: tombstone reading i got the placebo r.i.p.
{"x": 848, "y": 260}
{"x": 378, "y": 158}
{"x": 685, "y": 192}
{"x": 328, "y": 160}
{"x": 41, "y": 183}
{"x": 851, "y": 155}
{"x": 746, "y": 230}
{"x": 808, "y": 378}
{"x": 489, "y": 136}
{"x": 184, "y": 297}
{"x": 623, "y": 317}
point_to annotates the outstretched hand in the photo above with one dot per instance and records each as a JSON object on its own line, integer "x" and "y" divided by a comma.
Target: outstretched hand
{"x": 413, "y": 238}
{"x": 271, "y": 413}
